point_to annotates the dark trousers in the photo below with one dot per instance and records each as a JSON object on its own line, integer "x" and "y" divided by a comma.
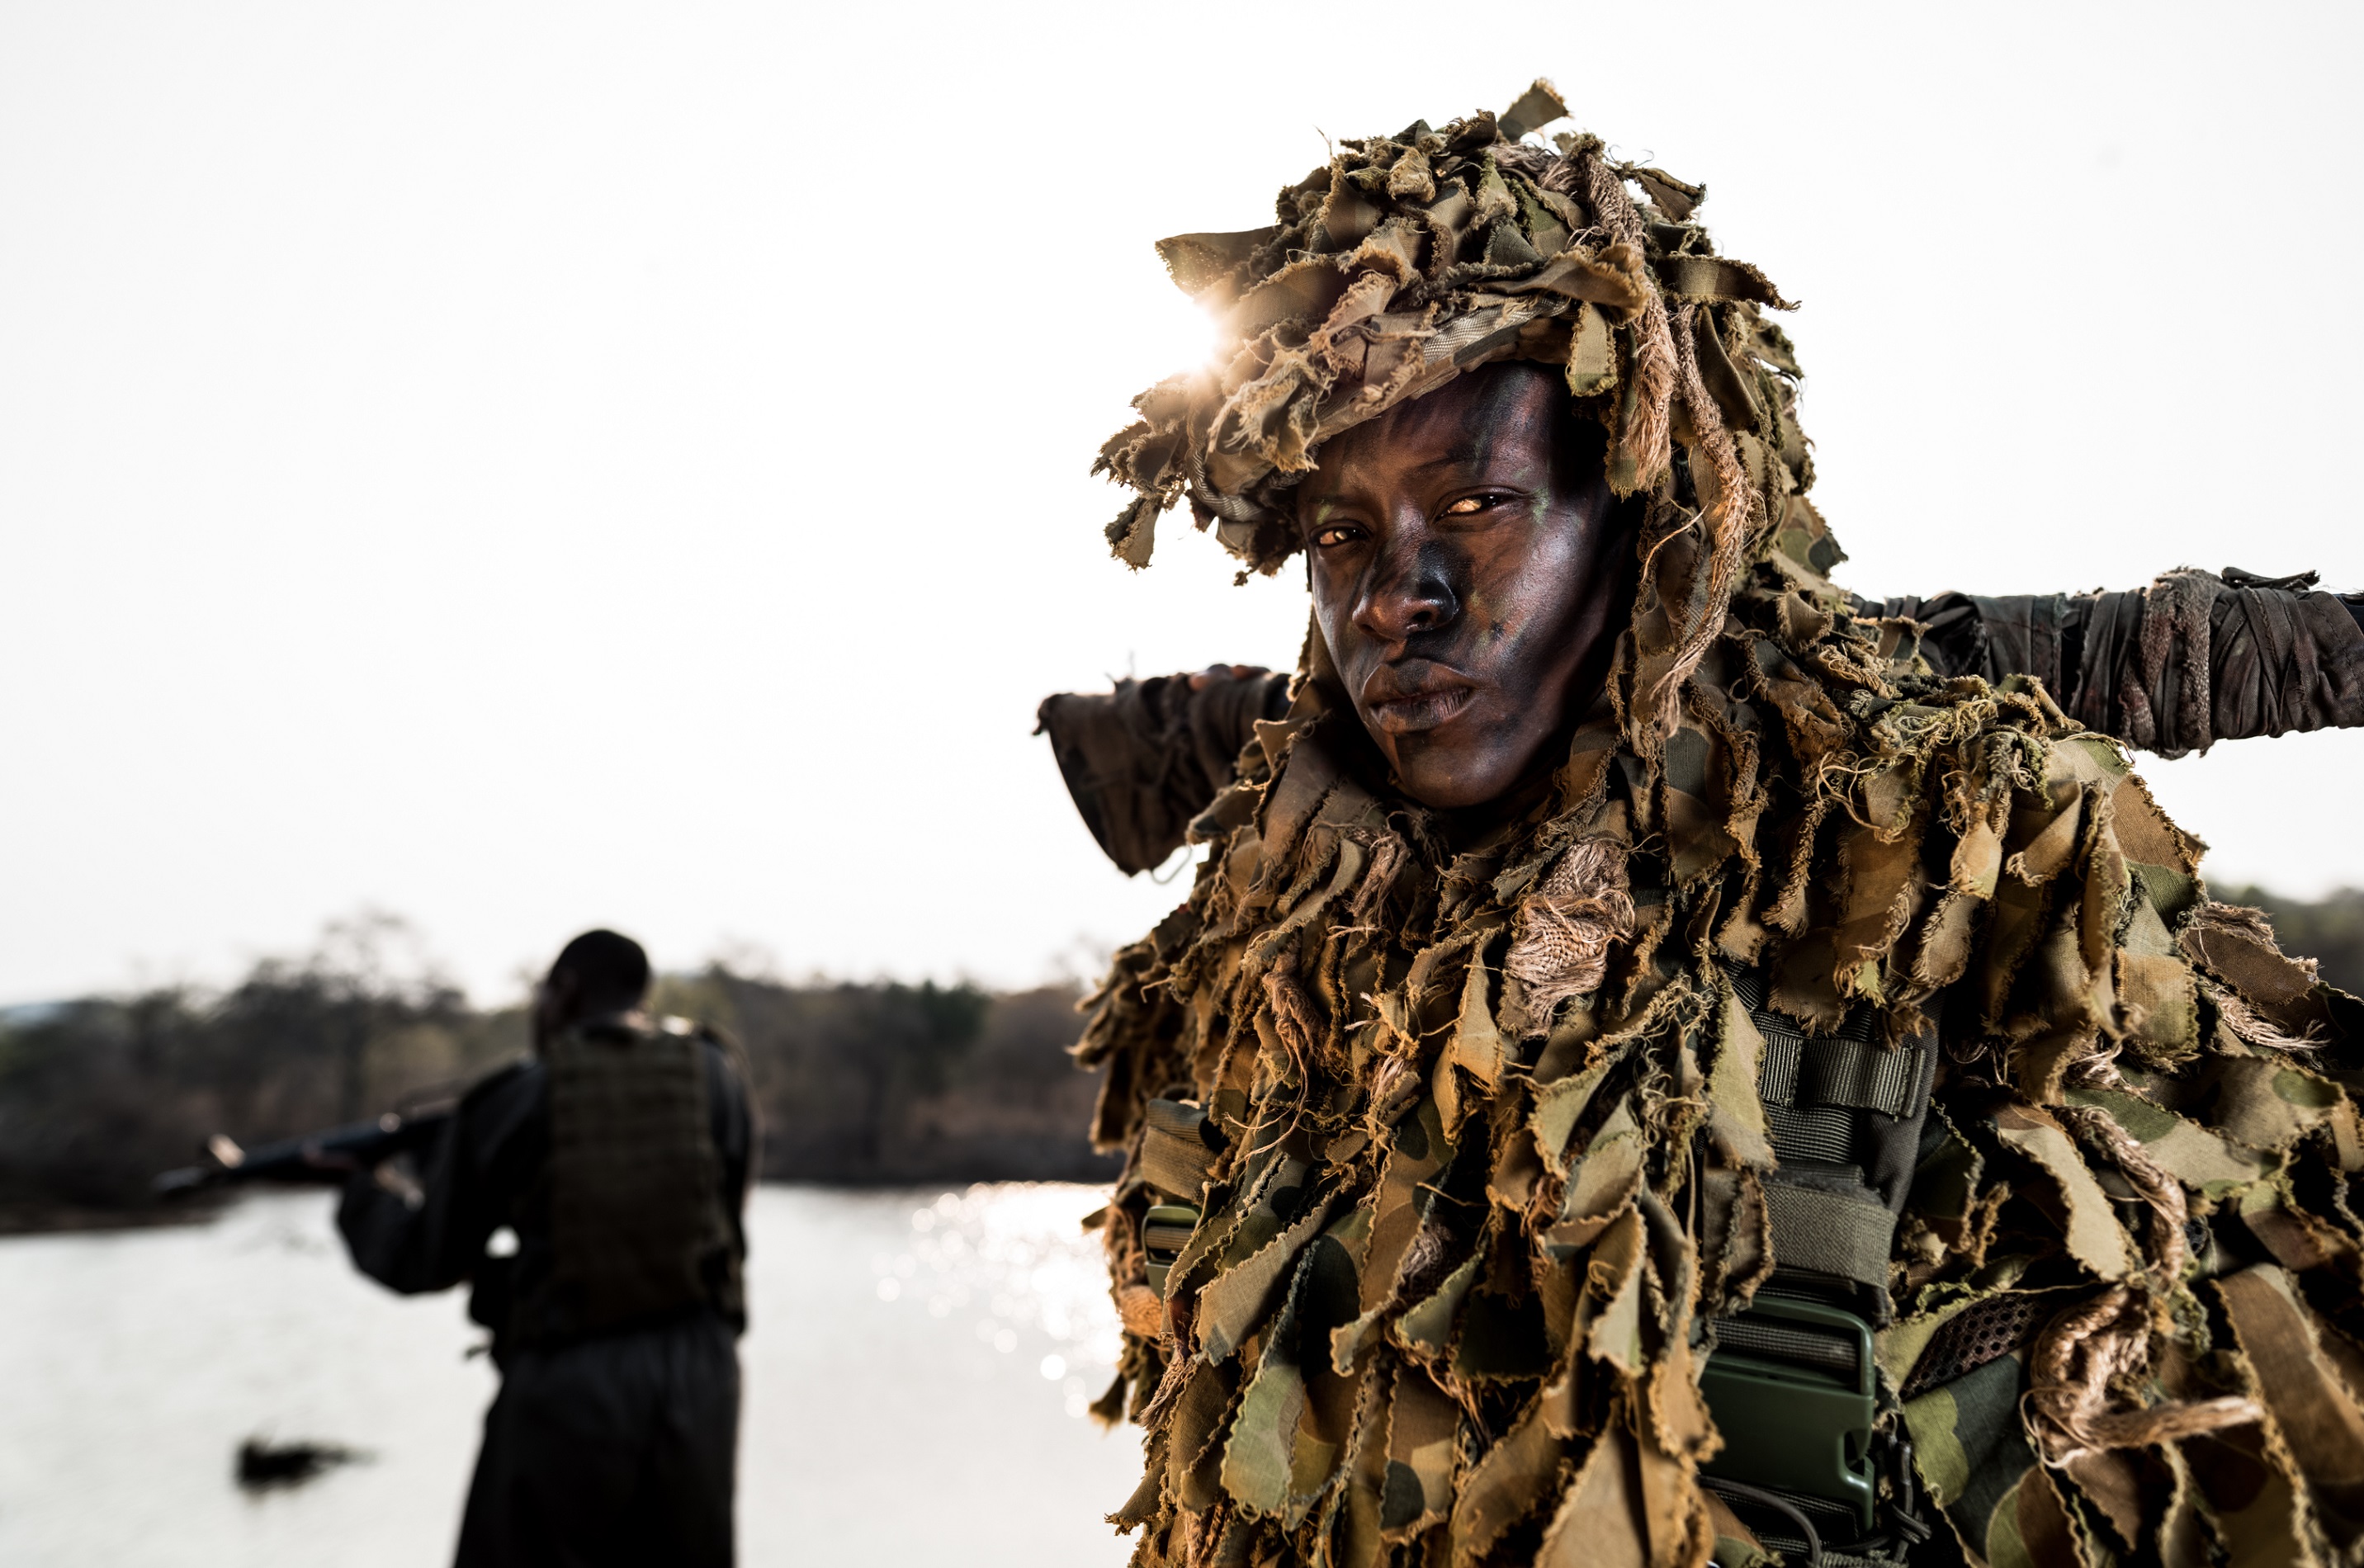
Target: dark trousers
{"x": 616, "y": 1449}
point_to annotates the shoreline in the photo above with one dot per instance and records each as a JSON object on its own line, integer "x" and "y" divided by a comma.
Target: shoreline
{"x": 29, "y": 1219}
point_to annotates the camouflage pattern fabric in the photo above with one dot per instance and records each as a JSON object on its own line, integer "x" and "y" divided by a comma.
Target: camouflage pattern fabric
{"x": 1488, "y": 1144}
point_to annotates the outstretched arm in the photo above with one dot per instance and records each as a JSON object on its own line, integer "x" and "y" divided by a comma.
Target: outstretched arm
{"x": 2195, "y": 659}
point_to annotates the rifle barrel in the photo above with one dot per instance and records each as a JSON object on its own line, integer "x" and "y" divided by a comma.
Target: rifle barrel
{"x": 298, "y": 1160}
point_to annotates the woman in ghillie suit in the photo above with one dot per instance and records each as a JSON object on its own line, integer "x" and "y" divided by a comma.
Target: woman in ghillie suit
{"x": 1648, "y": 1071}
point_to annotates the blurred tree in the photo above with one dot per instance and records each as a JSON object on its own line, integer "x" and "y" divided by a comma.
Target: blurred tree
{"x": 878, "y": 1082}
{"x": 98, "y": 1095}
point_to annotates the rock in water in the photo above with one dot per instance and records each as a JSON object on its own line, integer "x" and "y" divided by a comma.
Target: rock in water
{"x": 262, "y": 1464}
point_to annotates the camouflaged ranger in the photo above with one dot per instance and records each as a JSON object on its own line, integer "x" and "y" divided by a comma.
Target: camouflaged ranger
{"x": 618, "y": 1159}
{"x": 1663, "y": 1059}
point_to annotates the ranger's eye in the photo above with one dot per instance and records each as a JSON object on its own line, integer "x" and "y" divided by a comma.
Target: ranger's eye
{"x": 1470, "y": 505}
{"x": 1330, "y": 534}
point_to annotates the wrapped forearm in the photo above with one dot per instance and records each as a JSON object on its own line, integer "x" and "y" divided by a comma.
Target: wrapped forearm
{"x": 1142, "y": 760}
{"x": 2192, "y": 660}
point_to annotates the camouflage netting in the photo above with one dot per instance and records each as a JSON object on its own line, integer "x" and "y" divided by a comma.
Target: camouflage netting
{"x": 1494, "y": 1145}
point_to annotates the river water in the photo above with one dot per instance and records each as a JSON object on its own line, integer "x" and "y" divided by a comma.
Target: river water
{"x": 916, "y": 1378}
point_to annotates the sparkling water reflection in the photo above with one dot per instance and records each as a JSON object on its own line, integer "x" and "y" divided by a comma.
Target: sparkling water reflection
{"x": 916, "y": 1383}
{"x": 1013, "y": 1259}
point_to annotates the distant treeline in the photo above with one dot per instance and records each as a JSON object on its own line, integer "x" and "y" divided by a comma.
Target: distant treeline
{"x": 855, "y": 1083}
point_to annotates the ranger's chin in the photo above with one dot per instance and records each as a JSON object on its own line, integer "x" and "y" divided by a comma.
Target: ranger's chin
{"x": 1446, "y": 777}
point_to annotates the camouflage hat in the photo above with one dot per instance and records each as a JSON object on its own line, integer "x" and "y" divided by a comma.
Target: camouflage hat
{"x": 1409, "y": 259}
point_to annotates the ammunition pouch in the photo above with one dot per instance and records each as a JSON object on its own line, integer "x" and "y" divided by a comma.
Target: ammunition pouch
{"x": 1814, "y": 1459}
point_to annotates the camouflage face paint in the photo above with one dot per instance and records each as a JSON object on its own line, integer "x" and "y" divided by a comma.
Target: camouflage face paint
{"x": 1465, "y": 573}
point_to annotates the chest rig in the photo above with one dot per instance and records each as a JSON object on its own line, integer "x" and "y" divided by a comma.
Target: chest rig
{"x": 1814, "y": 1458}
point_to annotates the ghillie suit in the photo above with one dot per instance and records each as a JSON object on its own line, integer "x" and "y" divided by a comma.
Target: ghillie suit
{"x": 1515, "y": 1194}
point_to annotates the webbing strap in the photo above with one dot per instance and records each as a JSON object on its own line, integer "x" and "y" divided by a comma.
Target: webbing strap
{"x": 1830, "y": 1232}
{"x": 1812, "y": 1132}
{"x": 1838, "y": 1070}
{"x": 1852, "y": 1067}
{"x": 1165, "y": 1236}
{"x": 1782, "y": 1342}
{"x": 1777, "y": 1071}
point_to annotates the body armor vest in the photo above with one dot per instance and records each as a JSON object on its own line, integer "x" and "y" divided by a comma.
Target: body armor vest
{"x": 638, "y": 1228}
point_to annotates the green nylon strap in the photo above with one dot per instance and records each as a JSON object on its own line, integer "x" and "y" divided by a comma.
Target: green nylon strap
{"x": 1838, "y": 1071}
{"x": 1851, "y": 1068}
{"x": 1164, "y": 1237}
{"x": 1830, "y": 1232}
{"x": 1812, "y": 1132}
{"x": 1780, "y": 1342}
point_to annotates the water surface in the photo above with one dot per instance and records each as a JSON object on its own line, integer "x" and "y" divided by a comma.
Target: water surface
{"x": 916, "y": 1377}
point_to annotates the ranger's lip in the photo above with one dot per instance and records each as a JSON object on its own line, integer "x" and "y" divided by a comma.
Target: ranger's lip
{"x": 1402, "y": 701}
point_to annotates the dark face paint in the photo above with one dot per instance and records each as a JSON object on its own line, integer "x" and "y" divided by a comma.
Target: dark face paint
{"x": 1468, "y": 577}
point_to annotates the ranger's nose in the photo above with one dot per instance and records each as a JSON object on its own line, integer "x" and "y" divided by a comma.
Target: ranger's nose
{"x": 1409, "y": 592}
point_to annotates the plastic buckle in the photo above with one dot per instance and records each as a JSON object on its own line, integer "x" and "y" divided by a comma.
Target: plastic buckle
{"x": 1790, "y": 1426}
{"x": 1165, "y": 1231}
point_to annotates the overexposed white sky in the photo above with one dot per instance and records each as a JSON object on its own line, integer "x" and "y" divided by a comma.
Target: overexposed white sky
{"x": 531, "y": 465}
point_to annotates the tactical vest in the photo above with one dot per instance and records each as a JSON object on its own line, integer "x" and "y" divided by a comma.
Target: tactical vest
{"x": 634, "y": 1182}
{"x": 1814, "y": 1459}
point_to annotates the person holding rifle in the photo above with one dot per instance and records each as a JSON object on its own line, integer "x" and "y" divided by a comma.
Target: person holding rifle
{"x": 618, "y": 1156}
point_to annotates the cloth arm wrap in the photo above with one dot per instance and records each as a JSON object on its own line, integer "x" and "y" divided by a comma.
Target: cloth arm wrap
{"x": 2195, "y": 659}
{"x": 1142, "y": 760}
